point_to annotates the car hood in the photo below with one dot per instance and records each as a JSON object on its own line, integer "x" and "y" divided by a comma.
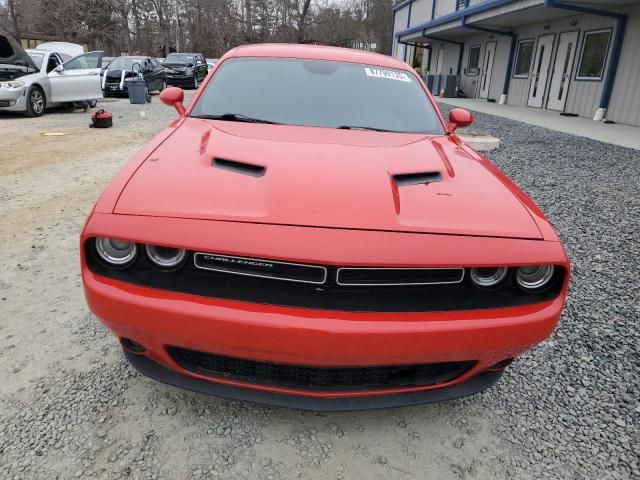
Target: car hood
{"x": 14, "y": 58}
{"x": 323, "y": 177}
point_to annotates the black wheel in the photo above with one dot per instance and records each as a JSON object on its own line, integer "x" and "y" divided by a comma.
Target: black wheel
{"x": 163, "y": 86}
{"x": 93, "y": 103}
{"x": 35, "y": 102}
{"x": 196, "y": 84}
{"x": 147, "y": 95}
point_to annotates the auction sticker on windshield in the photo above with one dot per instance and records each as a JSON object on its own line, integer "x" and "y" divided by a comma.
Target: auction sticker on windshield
{"x": 382, "y": 73}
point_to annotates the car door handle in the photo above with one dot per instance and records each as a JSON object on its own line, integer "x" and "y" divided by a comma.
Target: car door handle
{"x": 93, "y": 73}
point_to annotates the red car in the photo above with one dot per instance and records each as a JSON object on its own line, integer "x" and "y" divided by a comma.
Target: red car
{"x": 310, "y": 232}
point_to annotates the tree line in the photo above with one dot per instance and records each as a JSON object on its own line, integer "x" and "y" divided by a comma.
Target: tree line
{"x": 158, "y": 27}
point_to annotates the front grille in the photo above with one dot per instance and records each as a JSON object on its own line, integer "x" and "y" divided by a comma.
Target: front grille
{"x": 254, "y": 267}
{"x": 317, "y": 378}
{"x": 347, "y": 289}
{"x": 398, "y": 276}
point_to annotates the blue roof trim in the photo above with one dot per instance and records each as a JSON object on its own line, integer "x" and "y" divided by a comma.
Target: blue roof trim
{"x": 457, "y": 15}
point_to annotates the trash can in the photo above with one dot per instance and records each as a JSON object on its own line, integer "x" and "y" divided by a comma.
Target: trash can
{"x": 137, "y": 89}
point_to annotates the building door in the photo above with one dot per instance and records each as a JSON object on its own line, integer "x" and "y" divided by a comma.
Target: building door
{"x": 541, "y": 64}
{"x": 562, "y": 70}
{"x": 440, "y": 62}
{"x": 487, "y": 69}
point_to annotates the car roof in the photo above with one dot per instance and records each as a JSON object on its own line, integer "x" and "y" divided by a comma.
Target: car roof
{"x": 316, "y": 52}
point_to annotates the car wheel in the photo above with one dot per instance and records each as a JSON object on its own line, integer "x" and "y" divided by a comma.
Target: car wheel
{"x": 35, "y": 102}
{"x": 93, "y": 103}
{"x": 163, "y": 86}
{"x": 147, "y": 95}
{"x": 195, "y": 82}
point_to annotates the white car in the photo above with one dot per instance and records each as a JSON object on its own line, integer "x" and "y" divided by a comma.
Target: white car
{"x": 36, "y": 79}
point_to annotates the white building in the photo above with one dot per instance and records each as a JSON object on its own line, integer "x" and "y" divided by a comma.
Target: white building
{"x": 580, "y": 57}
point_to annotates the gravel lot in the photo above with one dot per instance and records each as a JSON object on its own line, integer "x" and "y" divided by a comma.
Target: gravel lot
{"x": 71, "y": 407}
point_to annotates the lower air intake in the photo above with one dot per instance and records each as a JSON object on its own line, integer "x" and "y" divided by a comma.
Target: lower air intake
{"x": 317, "y": 378}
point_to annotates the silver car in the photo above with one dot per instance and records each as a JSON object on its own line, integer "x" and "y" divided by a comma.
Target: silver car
{"x": 36, "y": 79}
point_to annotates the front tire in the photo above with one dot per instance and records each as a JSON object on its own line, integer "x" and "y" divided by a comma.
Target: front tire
{"x": 163, "y": 86}
{"x": 196, "y": 84}
{"x": 35, "y": 102}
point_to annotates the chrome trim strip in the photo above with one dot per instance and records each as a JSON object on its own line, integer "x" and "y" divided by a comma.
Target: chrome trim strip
{"x": 462, "y": 272}
{"x": 324, "y": 269}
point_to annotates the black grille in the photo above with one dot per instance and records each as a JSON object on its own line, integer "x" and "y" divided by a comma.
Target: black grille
{"x": 254, "y": 267}
{"x": 408, "y": 297}
{"x": 317, "y": 378}
{"x": 398, "y": 276}
{"x": 4, "y": 103}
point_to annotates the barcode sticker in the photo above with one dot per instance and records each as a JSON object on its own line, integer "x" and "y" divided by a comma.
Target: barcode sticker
{"x": 390, "y": 74}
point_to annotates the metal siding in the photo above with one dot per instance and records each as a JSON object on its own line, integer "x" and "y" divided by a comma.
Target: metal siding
{"x": 584, "y": 96}
{"x": 445, "y": 7}
{"x": 399, "y": 25}
{"x": 625, "y": 102}
{"x": 420, "y": 12}
{"x": 500, "y": 63}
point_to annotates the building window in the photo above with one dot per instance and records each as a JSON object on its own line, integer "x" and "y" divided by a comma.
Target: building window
{"x": 594, "y": 55}
{"x": 524, "y": 55}
{"x": 473, "y": 62}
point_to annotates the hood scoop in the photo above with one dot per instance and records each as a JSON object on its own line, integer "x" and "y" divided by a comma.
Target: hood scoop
{"x": 419, "y": 178}
{"x": 239, "y": 167}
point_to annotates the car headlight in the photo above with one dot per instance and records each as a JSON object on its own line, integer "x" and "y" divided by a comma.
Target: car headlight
{"x": 488, "y": 277}
{"x": 166, "y": 257}
{"x": 12, "y": 84}
{"x": 534, "y": 277}
{"x": 117, "y": 253}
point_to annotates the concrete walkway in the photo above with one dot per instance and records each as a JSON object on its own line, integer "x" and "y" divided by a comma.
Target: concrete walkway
{"x": 617, "y": 134}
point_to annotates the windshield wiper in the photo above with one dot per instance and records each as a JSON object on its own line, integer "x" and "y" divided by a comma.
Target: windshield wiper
{"x": 236, "y": 117}
{"x": 358, "y": 127}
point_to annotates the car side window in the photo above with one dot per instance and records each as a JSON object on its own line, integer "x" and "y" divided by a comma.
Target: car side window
{"x": 52, "y": 63}
{"x": 87, "y": 60}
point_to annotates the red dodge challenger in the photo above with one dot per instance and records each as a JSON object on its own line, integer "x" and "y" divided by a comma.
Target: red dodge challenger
{"x": 310, "y": 232}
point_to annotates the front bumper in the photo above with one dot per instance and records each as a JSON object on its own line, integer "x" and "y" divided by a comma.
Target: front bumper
{"x": 180, "y": 80}
{"x": 13, "y": 99}
{"x": 302, "y": 336}
{"x": 160, "y": 373}
{"x": 114, "y": 89}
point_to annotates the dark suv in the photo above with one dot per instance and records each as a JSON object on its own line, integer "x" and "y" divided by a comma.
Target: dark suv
{"x": 185, "y": 69}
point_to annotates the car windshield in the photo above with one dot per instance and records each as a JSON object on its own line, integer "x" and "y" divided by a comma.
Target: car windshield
{"x": 37, "y": 59}
{"x": 318, "y": 93}
{"x": 125, "y": 63}
{"x": 179, "y": 58}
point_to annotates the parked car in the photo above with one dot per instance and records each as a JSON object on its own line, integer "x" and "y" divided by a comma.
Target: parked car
{"x": 36, "y": 79}
{"x": 185, "y": 69}
{"x": 339, "y": 250}
{"x": 116, "y": 73}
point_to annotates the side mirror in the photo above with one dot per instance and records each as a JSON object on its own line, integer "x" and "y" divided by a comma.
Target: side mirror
{"x": 459, "y": 117}
{"x": 173, "y": 96}
{"x": 59, "y": 68}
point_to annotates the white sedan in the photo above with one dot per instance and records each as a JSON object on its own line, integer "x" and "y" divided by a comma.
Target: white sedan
{"x": 36, "y": 79}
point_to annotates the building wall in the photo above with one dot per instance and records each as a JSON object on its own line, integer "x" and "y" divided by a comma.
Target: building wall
{"x": 399, "y": 24}
{"x": 444, "y": 7}
{"x": 584, "y": 96}
{"x": 625, "y": 101}
{"x": 421, "y": 11}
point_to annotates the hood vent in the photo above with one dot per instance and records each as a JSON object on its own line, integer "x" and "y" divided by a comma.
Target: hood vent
{"x": 405, "y": 179}
{"x": 239, "y": 167}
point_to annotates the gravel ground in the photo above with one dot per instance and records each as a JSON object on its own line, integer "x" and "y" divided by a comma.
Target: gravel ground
{"x": 71, "y": 407}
